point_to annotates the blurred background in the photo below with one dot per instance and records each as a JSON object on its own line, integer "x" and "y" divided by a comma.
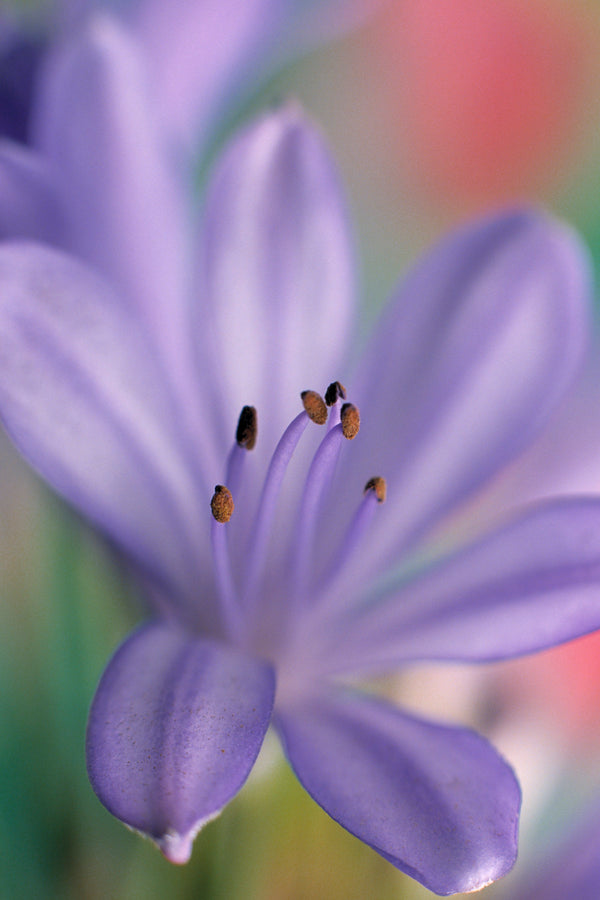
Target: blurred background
{"x": 435, "y": 109}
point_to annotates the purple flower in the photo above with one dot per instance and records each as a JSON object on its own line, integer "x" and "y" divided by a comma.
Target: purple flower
{"x": 129, "y": 380}
{"x": 310, "y": 581}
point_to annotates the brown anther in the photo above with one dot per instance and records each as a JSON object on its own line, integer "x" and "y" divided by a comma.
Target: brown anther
{"x": 247, "y": 428}
{"x": 335, "y": 391}
{"x": 350, "y": 419}
{"x": 221, "y": 504}
{"x": 314, "y": 406}
{"x": 378, "y": 486}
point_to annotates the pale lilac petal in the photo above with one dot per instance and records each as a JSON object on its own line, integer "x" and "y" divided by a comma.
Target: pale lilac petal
{"x": 174, "y": 729}
{"x": 84, "y": 400}
{"x": 199, "y": 50}
{"x": 205, "y": 53}
{"x": 532, "y": 584}
{"x": 277, "y": 272}
{"x": 436, "y": 801}
{"x": 476, "y": 350}
{"x": 95, "y": 124}
{"x": 563, "y": 460}
{"x": 30, "y": 205}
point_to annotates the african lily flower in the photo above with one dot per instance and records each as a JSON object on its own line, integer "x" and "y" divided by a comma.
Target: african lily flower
{"x": 273, "y": 592}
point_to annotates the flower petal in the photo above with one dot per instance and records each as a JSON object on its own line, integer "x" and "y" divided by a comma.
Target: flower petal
{"x": 529, "y": 585}
{"x": 30, "y": 205}
{"x": 94, "y": 122}
{"x": 277, "y": 268}
{"x": 204, "y": 54}
{"x": 198, "y": 53}
{"x": 174, "y": 729}
{"x": 436, "y": 801}
{"x": 475, "y": 351}
{"x": 85, "y": 402}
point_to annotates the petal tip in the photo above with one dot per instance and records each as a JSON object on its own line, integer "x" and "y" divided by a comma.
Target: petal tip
{"x": 176, "y": 848}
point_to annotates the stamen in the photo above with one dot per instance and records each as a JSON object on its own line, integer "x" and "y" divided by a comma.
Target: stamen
{"x": 379, "y": 486}
{"x": 319, "y": 478}
{"x": 373, "y": 495}
{"x": 350, "y": 419}
{"x": 245, "y": 439}
{"x": 265, "y": 515}
{"x": 314, "y": 406}
{"x": 335, "y": 391}
{"x": 222, "y": 508}
{"x": 247, "y": 428}
{"x": 222, "y": 504}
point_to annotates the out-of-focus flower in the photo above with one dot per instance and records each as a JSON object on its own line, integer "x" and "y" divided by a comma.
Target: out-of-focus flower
{"x": 125, "y": 396}
{"x": 198, "y": 54}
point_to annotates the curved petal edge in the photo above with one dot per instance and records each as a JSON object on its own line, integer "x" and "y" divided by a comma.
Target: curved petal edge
{"x": 438, "y": 802}
{"x": 174, "y": 729}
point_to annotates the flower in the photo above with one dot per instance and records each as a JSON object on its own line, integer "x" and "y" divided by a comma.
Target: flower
{"x": 267, "y": 598}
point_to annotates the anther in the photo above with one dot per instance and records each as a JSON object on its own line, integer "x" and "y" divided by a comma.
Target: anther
{"x": 314, "y": 406}
{"x": 336, "y": 391}
{"x": 378, "y": 486}
{"x": 350, "y": 419}
{"x": 247, "y": 428}
{"x": 221, "y": 504}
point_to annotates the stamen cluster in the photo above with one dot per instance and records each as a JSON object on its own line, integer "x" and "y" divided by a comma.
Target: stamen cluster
{"x": 343, "y": 423}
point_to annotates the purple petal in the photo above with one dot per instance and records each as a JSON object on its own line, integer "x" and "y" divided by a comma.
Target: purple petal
{"x": 277, "y": 268}
{"x": 82, "y": 397}
{"x": 532, "y": 584}
{"x": 438, "y": 802}
{"x": 474, "y": 353}
{"x": 199, "y": 51}
{"x": 206, "y": 53}
{"x": 95, "y": 124}
{"x": 174, "y": 729}
{"x": 30, "y": 206}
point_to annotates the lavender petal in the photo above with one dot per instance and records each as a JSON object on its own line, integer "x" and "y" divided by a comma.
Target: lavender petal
{"x": 529, "y": 585}
{"x": 436, "y": 801}
{"x": 475, "y": 351}
{"x": 94, "y": 122}
{"x": 174, "y": 729}
{"x": 83, "y": 399}
{"x": 277, "y": 268}
{"x": 31, "y": 206}
{"x": 200, "y": 52}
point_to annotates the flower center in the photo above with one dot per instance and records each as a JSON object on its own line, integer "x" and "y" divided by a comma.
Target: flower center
{"x": 245, "y": 583}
